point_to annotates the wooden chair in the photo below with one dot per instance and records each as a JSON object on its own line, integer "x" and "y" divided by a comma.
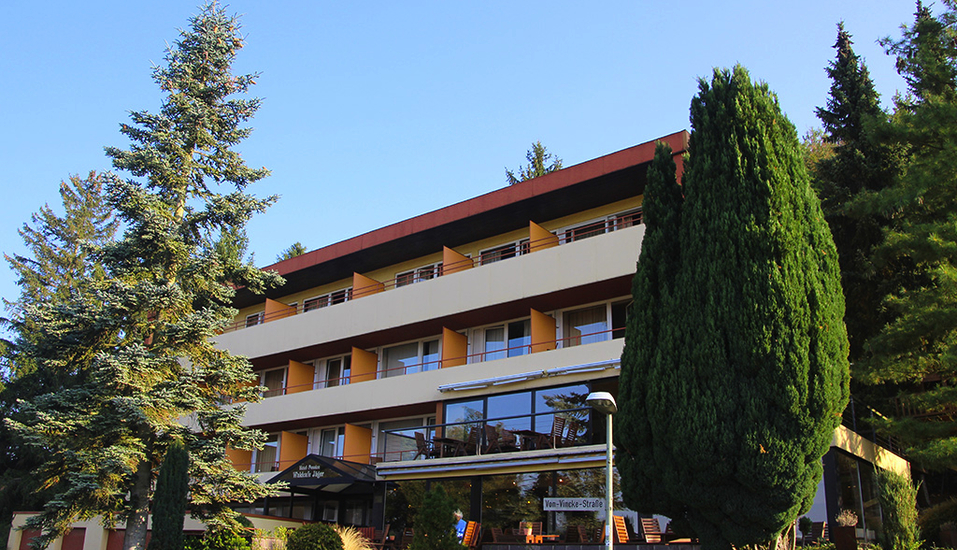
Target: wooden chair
{"x": 558, "y": 427}
{"x": 367, "y": 533}
{"x": 500, "y": 537}
{"x": 576, "y": 534}
{"x": 473, "y": 532}
{"x": 496, "y": 442}
{"x": 621, "y": 531}
{"x": 470, "y": 447}
{"x": 536, "y": 527}
{"x": 423, "y": 447}
{"x": 380, "y": 539}
{"x": 650, "y": 531}
{"x": 571, "y": 436}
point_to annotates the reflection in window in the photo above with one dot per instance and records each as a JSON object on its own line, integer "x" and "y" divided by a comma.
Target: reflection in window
{"x": 332, "y": 442}
{"x": 400, "y": 444}
{"x": 338, "y": 371}
{"x": 265, "y": 459}
{"x": 585, "y": 326}
{"x": 274, "y": 381}
{"x": 410, "y": 358}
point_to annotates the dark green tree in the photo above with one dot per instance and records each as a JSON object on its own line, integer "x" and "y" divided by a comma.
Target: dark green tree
{"x": 296, "y": 249}
{"x": 56, "y": 260}
{"x": 742, "y": 374}
{"x": 169, "y": 499}
{"x": 540, "y": 162}
{"x": 898, "y": 499}
{"x": 914, "y": 356}
{"x": 139, "y": 341}
{"x": 434, "y": 523}
{"x": 860, "y": 162}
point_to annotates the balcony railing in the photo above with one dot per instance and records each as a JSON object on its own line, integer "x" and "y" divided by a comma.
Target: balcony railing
{"x": 436, "y": 364}
{"x": 562, "y": 428}
{"x": 441, "y": 270}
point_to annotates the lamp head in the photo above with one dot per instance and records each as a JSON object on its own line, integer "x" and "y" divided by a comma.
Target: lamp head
{"x": 602, "y": 402}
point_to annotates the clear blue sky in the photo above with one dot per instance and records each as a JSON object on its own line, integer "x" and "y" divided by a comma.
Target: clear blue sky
{"x": 378, "y": 111}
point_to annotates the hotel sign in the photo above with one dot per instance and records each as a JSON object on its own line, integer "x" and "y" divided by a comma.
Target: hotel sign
{"x": 574, "y": 504}
{"x": 308, "y": 470}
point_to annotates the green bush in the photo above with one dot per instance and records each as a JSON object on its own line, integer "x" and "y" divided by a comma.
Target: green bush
{"x": 898, "y": 498}
{"x": 931, "y": 519}
{"x": 222, "y": 540}
{"x": 316, "y": 536}
{"x": 435, "y": 523}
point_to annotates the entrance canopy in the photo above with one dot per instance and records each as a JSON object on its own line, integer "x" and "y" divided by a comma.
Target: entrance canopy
{"x": 316, "y": 473}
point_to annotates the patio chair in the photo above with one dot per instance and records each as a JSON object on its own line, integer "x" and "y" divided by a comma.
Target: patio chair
{"x": 471, "y": 444}
{"x": 473, "y": 532}
{"x": 496, "y": 442}
{"x": 367, "y": 533}
{"x": 380, "y": 538}
{"x": 571, "y": 436}
{"x": 558, "y": 427}
{"x": 621, "y": 531}
{"x": 423, "y": 447}
{"x": 650, "y": 531}
{"x": 501, "y": 537}
{"x": 576, "y": 534}
{"x": 536, "y": 527}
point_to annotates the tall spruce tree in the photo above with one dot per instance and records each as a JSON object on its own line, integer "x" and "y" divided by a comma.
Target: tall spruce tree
{"x": 742, "y": 375}
{"x": 915, "y": 354}
{"x": 139, "y": 340}
{"x": 55, "y": 262}
{"x": 860, "y": 162}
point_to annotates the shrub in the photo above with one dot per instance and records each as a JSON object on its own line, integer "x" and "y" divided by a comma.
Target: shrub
{"x": 316, "y": 536}
{"x": 221, "y": 540}
{"x": 434, "y": 523}
{"x": 933, "y": 518}
{"x": 898, "y": 498}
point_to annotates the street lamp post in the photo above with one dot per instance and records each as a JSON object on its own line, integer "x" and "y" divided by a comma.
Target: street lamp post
{"x": 603, "y": 402}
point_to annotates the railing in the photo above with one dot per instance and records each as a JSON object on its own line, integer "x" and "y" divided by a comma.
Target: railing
{"x": 492, "y": 256}
{"x": 487, "y": 436}
{"x": 436, "y": 364}
{"x": 860, "y": 418}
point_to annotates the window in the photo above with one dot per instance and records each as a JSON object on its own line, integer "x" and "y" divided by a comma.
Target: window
{"x": 332, "y": 298}
{"x": 423, "y": 273}
{"x": 265, "y": 459}
{"x": 508, "y": 340}
{"x": 335, "y": 372}
{"x": 274, "y": 381}
{"x": 400, "y": 442}
{"x": 625, "y": 219}
{"x": 410, "y": 358}
{"x": 332, "y": 442}
{"x": 585, "y": 326}
{"x": 598, "y": 227}
{"x": 254, "y": 319}
{"x": 619, "y": 319}
{"x": 503, "y": 252}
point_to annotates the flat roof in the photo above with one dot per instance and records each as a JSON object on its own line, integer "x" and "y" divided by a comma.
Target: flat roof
{"x": 599, "y": 181}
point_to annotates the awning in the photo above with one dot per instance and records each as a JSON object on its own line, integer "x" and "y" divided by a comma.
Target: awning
{"x": 316, "y": 473}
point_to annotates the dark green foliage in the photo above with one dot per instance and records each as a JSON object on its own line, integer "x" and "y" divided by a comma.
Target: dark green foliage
{"x": 538, "y": 164}
{"x": 859, "y": 163}
{"x": 138, "y": 340}
{"x": 914, "y": 356}
{"x": 59, "y": 248}
{"x": 734, "y": 373}
{"x": 220, "y": 540}
{"x": 898, "y": 499}
{"x": 435, "y": 523}
{"x": 316, "y": 536}
{"x": 296, "y": 249}
{"x": 932, "y": 519}
{"x": 169, "y": 499}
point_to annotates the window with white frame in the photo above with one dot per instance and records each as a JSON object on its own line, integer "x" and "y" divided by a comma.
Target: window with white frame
{"x": 254, "y": 319}
{"x": 334, "y": 371}
{"x": 409, "y": 358}
{"x": 400, "y": 439}
{"x": 331, "y": 442}
{"x": 267, "y": 458}
{"x": 505, "y": 340}
{"x": 600, "y": 226}
{"x": 274, "y": 380}
{"x": 325, "y": 300}
{"x": 595, "y": 323}
{"x": 503, "y": 252}
{"x": 418, "y": 275}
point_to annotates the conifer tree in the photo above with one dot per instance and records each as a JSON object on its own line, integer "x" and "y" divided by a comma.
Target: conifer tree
{"x": 169, "y": 502}
{"x": 742, "y": 375}
{"x": 914, "y": 354}
{"x": 138, "y": 341}
{"x": 56, "y": 260}
{"x": 538, "y": 164}
{"x": 860, "y": 162}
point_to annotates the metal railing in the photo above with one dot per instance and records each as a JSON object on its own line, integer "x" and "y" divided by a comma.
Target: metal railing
{"x": 490, "y": 257}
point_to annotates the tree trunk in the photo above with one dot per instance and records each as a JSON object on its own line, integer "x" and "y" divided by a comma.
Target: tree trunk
{"x": 136, "y": 524}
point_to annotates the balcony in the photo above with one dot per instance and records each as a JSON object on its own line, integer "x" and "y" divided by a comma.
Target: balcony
{"x": 600, "y": 258}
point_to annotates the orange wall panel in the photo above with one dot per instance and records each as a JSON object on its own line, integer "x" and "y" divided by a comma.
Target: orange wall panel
{"x": 358, "y": 444}
{"x": 365, "y": 286}
{"x": 292, "y": 449}
{"x": 364, "y": 365}
{"x": 452, "y": 261}
{"x": 299, "y": 377}
{"x": 543, "y": 332}
{"x": 241, "y": 459}
{"x": 277, "y": 310}
{"x": 540, "y": 238}
{"x": 455, "y": 347}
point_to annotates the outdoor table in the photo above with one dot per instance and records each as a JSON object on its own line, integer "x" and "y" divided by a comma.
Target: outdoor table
{"x": 449, "y": 443}
{"x": 529, "y": 436}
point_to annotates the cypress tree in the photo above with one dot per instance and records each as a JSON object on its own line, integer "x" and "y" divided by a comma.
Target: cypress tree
{"x": 748, "y": 370}
{"x": 169, "y": 499}
{"x": 139, "y": 340}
